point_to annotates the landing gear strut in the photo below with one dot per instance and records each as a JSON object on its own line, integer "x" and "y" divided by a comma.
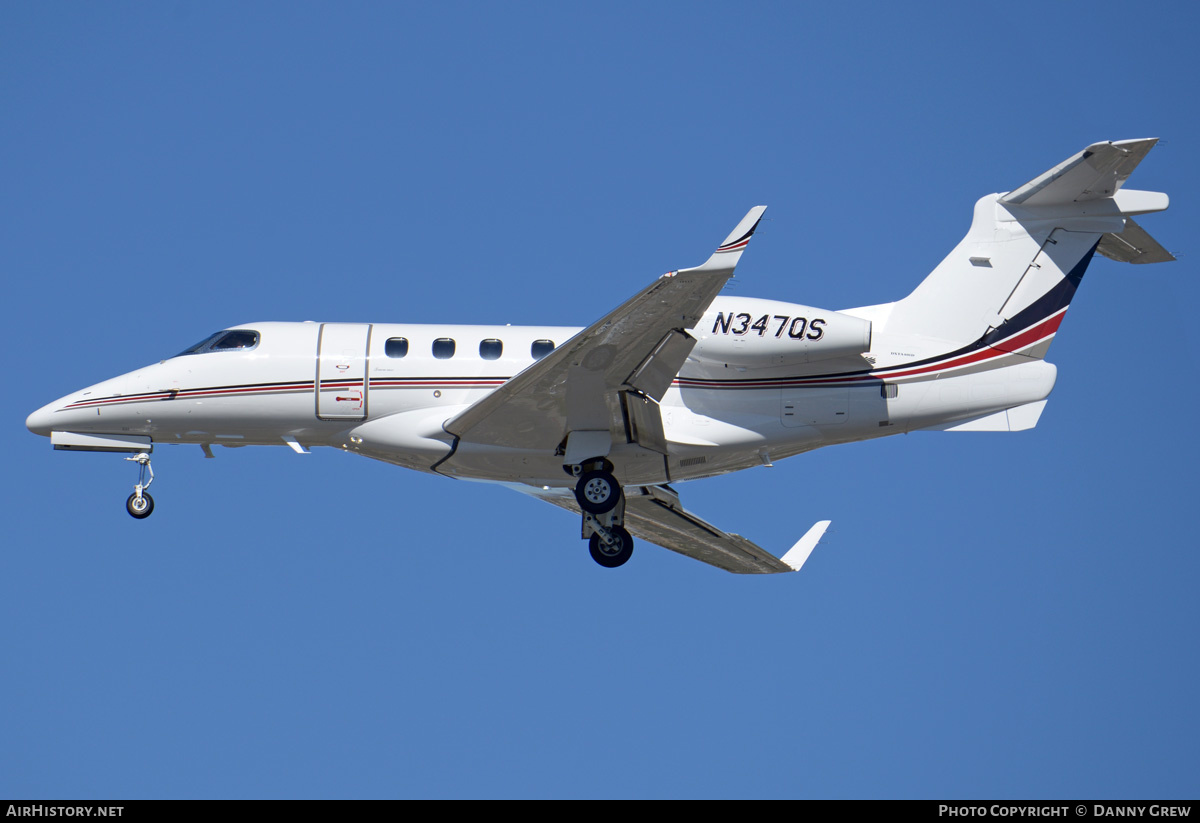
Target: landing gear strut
{"x": 602, "y": 500}
{"x": 140, "y": 504}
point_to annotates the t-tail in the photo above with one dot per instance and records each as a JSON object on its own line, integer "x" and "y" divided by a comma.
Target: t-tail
{"x": 1007, "y": 285}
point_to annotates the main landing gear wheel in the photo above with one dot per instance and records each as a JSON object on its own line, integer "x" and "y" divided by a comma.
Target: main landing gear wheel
{"x": 615, "y": 554}
{"x": 139, "y": 507}
{"x": 597, "y": 492}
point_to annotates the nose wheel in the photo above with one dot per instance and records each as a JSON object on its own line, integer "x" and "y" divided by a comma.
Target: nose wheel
{"x": 140, "y": 504}
{"x": 140, "y": 507}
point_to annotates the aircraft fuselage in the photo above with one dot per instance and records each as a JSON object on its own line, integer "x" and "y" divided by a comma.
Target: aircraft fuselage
{"x": 717, "y": 416}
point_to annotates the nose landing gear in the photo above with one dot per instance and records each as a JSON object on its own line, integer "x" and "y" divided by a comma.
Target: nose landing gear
{"x": 140, "y": 504}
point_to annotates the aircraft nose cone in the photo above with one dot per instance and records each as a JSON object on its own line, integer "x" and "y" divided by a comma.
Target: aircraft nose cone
{"x": 41, "y": 421}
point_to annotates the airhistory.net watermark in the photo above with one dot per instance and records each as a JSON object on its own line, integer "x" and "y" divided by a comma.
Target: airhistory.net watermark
{"x": 41, "y": 810}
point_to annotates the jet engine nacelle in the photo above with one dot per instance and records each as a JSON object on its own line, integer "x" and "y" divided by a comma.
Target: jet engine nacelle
{"x": 745, "y": 331}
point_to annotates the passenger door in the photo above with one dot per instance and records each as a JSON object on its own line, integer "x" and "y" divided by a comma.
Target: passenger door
{"x": 342, "y": 371}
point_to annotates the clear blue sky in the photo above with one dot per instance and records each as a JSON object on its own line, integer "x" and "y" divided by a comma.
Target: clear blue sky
{"x": 991, "y": 615}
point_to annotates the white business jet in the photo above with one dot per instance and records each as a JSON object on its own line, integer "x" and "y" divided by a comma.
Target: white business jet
{"x": 676, "y": 383}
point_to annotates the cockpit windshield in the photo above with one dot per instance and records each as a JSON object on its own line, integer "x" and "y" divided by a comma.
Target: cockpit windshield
{"x": 236, "y": 340}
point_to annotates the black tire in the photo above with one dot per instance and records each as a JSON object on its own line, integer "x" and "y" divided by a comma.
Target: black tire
{"x": 147, "y": 506}
{"x": 612, "y": 556}
{"x": 597, "y": 492}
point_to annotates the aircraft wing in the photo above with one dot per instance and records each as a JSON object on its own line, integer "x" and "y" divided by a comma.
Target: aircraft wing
{"x": 638, "y": 346}
{"x": 655, "y": 514}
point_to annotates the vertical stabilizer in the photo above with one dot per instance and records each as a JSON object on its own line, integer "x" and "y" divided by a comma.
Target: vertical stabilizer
{"x": 1010, "y": 280}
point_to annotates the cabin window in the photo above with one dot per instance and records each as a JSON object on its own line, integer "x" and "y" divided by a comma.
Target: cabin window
{"x": 491, "y": 349}
{"x": 396, "y": 347}
{"x": 443, "y": 348}
{"x": 541, "y": 348}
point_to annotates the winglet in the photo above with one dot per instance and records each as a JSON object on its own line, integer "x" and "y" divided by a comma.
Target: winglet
{"x": 727, "y": 255}
{"x": 799, "y": 553}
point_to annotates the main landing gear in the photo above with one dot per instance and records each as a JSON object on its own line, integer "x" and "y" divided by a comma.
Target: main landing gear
{"x": 603, "y": 502}
{"x": 140, "y": 504}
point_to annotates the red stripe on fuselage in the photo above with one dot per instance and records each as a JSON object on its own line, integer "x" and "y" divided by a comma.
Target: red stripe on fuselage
{"x": 1031, "y": 336}
{"x": 1014, "y": 344}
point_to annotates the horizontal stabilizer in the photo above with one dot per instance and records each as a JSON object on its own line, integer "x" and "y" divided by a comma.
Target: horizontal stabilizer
{"x": 1097, "y": 172}
{"x": 1133, "y": 245}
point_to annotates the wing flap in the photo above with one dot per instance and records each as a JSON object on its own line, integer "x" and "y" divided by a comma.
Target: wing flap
{"x": 653, "y": 375}
{"x": 645, "y": 422}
